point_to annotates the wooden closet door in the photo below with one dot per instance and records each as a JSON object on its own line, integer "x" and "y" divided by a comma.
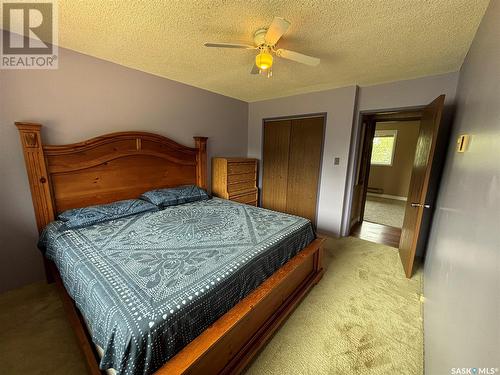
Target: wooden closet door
{"x": 304, "y": 164}
{"x": 275, "y": 164}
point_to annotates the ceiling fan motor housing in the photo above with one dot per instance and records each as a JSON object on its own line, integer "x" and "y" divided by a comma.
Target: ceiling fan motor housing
{"x": 259, "y": 38}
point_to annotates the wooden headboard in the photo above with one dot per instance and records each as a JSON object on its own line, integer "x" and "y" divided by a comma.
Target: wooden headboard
{"x": 104, "y": 169}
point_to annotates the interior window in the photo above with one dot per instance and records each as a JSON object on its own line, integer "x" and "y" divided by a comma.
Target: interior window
{"x": 384, "y": 143}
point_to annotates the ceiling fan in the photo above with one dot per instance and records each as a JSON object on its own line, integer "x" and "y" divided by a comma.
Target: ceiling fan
{"x": 265, "y": 41}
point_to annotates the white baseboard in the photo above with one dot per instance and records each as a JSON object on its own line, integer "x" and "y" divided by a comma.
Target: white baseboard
{"x": 387, "y": 196}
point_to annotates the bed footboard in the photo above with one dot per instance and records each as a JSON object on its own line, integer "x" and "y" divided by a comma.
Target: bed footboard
{"x": 230, "y": 344}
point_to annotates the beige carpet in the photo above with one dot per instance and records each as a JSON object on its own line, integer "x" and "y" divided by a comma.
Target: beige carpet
{"x": 384, "y": 211}
{"x": 35, "y": 336}
{"x": 364, "y": 317}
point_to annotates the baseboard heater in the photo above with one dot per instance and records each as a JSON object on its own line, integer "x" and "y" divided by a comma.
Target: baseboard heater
{"x": 375, "y": 190}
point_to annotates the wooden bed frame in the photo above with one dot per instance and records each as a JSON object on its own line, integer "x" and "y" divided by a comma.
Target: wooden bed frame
{"x": 124, "y": 165}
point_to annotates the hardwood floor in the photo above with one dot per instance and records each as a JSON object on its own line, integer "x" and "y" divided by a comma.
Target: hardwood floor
{"x": 378, "y": 233}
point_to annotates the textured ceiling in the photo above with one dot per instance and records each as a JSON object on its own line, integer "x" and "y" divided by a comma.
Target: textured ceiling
{"x": 359, "y": 41}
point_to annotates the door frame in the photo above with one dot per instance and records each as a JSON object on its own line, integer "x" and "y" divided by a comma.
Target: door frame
{"x": 261, "y": 161}
{"x": 366, "y": 119}
{"x": 355, "y": 155}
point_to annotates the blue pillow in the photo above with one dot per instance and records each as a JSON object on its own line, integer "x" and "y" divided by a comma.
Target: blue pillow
{"x": 174, "y": 196}
{"x": 83, "y": 217}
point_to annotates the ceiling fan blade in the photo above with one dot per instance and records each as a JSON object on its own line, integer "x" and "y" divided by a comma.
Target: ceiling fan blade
{"x": 230, "y": 45}
{"x": 298, "y": 57}
{"x": 278, "y": 27}
{"x": 255, "y": 69}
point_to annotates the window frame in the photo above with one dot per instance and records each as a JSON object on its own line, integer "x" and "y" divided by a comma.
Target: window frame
{"x": 386, "y": 133}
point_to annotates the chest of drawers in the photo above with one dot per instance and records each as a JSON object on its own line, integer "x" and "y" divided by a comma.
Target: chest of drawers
{"x": 235, "y": 179}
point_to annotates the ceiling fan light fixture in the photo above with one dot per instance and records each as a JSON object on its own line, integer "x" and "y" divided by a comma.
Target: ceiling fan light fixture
{"x": 265, "y": 40}
{"x": 264, "y": 60}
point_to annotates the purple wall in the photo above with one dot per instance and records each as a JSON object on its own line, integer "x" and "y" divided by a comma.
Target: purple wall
{"x": 87, "y": 97}
{"x": 462, "y": 267}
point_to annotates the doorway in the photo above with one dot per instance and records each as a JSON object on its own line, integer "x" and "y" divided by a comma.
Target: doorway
{"x": 389, "y": 166}
{"x": 396, "y": 178}
{"x": 391, "y": 162}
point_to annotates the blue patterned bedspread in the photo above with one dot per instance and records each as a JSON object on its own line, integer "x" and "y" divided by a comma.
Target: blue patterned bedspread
{"x": 149, "y": 284}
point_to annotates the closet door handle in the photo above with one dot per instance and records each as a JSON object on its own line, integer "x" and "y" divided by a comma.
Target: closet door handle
{"x": 421, "y": 205}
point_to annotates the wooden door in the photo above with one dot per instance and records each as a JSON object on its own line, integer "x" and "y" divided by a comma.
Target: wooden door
{"x": 304, "y": 166}
{"x": 419, "y": 183}
{"x": 291, "y": 165}
{"x": 275, "y": 164}
{"x": 362, "y": 171}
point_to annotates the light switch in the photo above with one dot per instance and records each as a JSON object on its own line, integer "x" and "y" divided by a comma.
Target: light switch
{"x": 463, "y": 142}
{"x": 336, "y": 161}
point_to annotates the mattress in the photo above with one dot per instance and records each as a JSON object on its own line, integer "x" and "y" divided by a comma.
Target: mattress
{"x": 149, "y": 284}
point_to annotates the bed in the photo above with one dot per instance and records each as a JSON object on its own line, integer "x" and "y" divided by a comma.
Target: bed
{"x": 234, "y": 272}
